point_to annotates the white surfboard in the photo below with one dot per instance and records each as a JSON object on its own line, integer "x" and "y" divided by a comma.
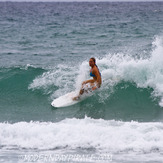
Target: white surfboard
{"x": 65, "y": 100}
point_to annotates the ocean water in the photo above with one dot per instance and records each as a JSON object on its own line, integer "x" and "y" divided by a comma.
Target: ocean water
{"x": 44, "y": 53}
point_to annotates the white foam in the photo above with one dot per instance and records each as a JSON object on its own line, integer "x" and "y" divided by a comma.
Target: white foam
{"x": 61, "y": 77}
{"x": 103, "y": 135}
{"x": 143, "y": 72}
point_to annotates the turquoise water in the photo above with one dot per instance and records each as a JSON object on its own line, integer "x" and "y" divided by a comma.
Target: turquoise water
{"x": 44, "y": 53}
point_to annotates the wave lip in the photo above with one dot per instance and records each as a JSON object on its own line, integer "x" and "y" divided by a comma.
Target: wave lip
{"x": 144, "y": 72}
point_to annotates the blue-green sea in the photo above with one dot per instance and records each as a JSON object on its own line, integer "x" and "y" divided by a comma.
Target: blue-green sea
{"x": 45, "y": 49}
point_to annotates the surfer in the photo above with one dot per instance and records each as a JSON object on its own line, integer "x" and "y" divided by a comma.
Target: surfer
{"x": 92, "y": 84}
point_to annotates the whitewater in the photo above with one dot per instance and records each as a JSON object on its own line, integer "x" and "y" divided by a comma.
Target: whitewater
{"x": 87, "y": 134}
